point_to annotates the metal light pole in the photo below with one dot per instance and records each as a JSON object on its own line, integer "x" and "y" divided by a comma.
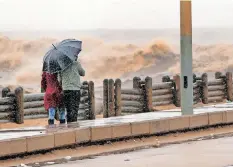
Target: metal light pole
{"x": 186, "y": 57}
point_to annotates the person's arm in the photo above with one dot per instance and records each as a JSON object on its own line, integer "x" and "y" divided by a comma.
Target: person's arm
{"x": 80, "y": 69}
{"x": 43, "y": 82}
{"x": 59, "y": 79}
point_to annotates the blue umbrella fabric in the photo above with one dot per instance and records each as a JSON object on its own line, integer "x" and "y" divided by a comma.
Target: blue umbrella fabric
{"x": 61, "y": 55}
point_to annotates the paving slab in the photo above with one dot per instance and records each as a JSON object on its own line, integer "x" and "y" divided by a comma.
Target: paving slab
{"x": 64, "y": 138}
{"x": 83, "y": 135}
{"x": 229, "y": 116}
{"x": 41, "y": 142}
{"x": 11, "y": 147}
{"x": 179, "y": 123}
{"x": 140, "y": 128}
{"x": 158, "y": 126}
{"x": 215, "y": 118}
{"x": 101, "y": 132}
{"x": 199, "y": 120}
{"x": 122, "y": 130}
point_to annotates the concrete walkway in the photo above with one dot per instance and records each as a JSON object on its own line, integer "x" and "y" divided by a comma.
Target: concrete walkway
{"x": 206, "y": 153}
{"x": 30, "y": 131}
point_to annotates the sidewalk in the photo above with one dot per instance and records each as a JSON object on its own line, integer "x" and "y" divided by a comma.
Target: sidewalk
{"x": 24, "y": 130}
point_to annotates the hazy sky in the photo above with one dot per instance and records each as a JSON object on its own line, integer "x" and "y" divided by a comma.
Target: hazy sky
{"x": 91, "y": 14}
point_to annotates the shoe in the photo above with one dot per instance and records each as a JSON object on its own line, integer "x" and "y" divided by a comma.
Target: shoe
{"x": 62, "y": 121}
{"x": 51, "y": 121}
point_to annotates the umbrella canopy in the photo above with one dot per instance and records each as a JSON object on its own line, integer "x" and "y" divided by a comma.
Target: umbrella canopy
{"x": 61, "y": 55}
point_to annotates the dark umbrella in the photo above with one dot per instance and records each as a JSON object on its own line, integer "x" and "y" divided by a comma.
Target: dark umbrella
{"x": 61, "y": 55}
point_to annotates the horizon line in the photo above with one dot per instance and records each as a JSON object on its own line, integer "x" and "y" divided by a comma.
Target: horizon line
{"x": 112, "y": 29}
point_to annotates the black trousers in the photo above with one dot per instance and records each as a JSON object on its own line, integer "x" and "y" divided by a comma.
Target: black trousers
{"x": 71, "y": 101}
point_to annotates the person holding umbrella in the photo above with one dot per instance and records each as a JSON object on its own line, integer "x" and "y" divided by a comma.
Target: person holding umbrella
{"x": 71, "y": 82}
{"x": 71, "y": 85}
{"x": 62, "y": 60}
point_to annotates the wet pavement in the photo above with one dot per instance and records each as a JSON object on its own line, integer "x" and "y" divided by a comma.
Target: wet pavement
{"x": 30, "y": 131}
{"x": 206, "y": 153}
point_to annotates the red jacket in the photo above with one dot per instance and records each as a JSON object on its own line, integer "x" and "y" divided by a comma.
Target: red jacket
{"x": 53, "y": 91}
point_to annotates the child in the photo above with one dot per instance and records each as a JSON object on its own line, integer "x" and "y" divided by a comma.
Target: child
{"x": 52, "y": 97}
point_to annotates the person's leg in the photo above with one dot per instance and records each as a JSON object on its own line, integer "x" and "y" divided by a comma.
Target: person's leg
{"x": 57, "y": 114}
{"x": 51, "y": 115}
{"x": 68, "y": 104}
{"x": 78, "y": 96}
{"x": 62, "y": 115}
{"x": 73, "y": 112}
{"x": 74, "y": 106}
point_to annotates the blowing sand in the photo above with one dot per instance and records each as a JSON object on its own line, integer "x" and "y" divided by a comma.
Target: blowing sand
{"x": 122, "y": 58}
